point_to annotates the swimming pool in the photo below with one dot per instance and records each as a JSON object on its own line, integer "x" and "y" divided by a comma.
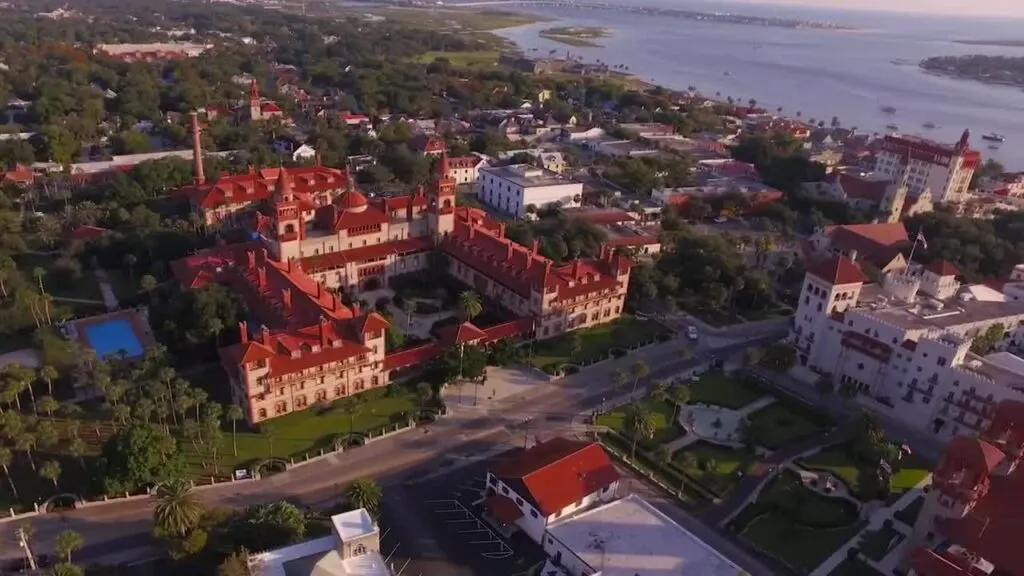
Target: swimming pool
{"x": 109, "y": 337}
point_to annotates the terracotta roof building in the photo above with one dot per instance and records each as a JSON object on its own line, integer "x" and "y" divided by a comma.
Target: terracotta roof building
{"x": 551, "y": 480}
{"x": 315, "y": 234}
{"x": 880, "y": 244}
{"x": 922, "y": 164}
{"x": 970, "y": 523}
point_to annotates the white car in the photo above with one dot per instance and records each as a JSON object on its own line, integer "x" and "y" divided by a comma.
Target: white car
{"x": 691, "y": 332}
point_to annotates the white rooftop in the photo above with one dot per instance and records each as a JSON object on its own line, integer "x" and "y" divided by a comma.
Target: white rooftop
{"x": 353, "y": 524}
{"x": 629, "y": 537}
{"x": 321, "y": 557}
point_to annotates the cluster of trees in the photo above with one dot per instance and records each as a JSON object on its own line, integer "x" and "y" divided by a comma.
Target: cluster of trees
{"x": 982, "y": 67}
{"x": 643, "y": 174}
{"x": 201, "y": 538}
{"x": 702, "y": 274}
{"x": 980, "y": 248}
{"x": 559, "y": 236}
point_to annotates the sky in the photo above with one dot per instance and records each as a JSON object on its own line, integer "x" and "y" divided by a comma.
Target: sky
{"x": 966, "y": 7}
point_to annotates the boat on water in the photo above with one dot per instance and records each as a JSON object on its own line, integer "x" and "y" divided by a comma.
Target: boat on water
{"x": 893, "y": 127}
{"x": 889, "y": 109}
{"x": 993, "y": 146}
{"x": 993, "y": 137}
{"x": 929, "y": 125}
{"x": 726, "y": 73}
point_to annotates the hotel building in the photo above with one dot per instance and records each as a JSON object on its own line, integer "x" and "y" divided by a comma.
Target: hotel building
{"x": 921, "y": 165}
{"x": 306, "y": 346}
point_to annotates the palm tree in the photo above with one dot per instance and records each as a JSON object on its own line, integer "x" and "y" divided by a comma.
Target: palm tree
{"x": 618, "y": 378}
{"x": 408, "y": 306}
{"x": 76, "y": 449}
{"x": 470, "y": 304}
{"x": 575, "y": 345}
{"x": 177, "y": 510}
{"x": 679, "y": 394}
{"x": 148, "y": 283}
{"x": 48, "y": 374}
{"x": 638, "y": 370}
{"x": 7, "y": 270}
{"x": 234, "y": 414}
{"x": 51, "y": 471}
{"x": 66, "y": 542}
{"x": 5, "y": 462}
{"x": 663, "y": 454}
{"x": 66, "y": 569}
{"x": 129, "y": 263}
{"x": 364, "y": 493}
{"x": 47, "y": 405}
{"x": 270, "y": 434}
{"x": 659, "y": 391}
{"x": 25, "y": 442}
{"x": 640, "y": 423}
{"x": 39, "y": 273}
{"x": 424, "y": 392}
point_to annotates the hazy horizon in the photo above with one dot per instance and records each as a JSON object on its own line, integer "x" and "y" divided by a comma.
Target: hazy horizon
{"x": 1012, "y": 8}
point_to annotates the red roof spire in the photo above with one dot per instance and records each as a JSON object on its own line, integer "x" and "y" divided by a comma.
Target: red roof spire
{"x": 254, "y": 91}
{"x": 284, "y": 184}
{"x": 350, "y": 183}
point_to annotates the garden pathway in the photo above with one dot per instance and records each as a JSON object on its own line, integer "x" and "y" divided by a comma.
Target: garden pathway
{"x": 750, "y": 486}
{"x": 875, "y": 523}
{"x": 106, "y": 289}
{"x": 733, "y": 417}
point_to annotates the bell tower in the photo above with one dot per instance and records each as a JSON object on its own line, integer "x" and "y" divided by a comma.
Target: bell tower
{"x": 255, "y": 109}
{"x": 288, "y": 227}
{"x": 442, "y": 201}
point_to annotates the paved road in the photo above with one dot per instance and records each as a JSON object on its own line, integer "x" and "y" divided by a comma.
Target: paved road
{"x": 545, "y": 411}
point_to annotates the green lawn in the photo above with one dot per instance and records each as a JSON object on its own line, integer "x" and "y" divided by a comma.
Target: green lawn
{"x": 877, "y": 543}
{"x": 727, "y": 463}
{"x": 777, "y": 424}
{"x": 841, "y": 461}
{"x": 295, "y": 435}
{"x": 665, "y": 429}
{"x": 854, "y": 568}
{"x": 595, "y": 343}
{"x": 470, "y": 59}
{"x": 908, "y": 514}
{"x": 718, "y": 389}
{"x": 797, "y": 525}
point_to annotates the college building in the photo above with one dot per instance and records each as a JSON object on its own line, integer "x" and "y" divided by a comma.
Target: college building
{"x": 303, "y": 345}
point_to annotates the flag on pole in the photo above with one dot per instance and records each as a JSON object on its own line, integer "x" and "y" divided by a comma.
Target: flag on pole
{"x": 921, "y": 240}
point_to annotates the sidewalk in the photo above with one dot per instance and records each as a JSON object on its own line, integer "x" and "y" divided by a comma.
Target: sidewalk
{"x": 106, "y": 289}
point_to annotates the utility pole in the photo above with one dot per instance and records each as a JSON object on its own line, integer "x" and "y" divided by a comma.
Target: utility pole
{"x": 23, "y": 542}
{"x": 526, "y": 432}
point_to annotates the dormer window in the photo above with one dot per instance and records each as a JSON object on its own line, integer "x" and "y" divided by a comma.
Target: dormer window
{"x": 316, "y": 348}
{"x": 336, "y": 343}
{"x": 296, "y": 354}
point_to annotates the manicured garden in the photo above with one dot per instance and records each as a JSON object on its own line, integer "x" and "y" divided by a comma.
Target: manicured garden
{"x": 784, "y": 422}
{"x": 718, "y": 389}
{"x": 908, "y": 514}
{"x": 717, "y": 467}
{"x": 665, "y": 428}
{"x": 797, "y": 525}
{"x": 595, "y": 343}
{"x": 877, "y": 543}
{"x": 842, "y": 461}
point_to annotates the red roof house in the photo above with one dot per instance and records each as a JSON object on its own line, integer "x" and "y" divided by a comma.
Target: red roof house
{"x": 548, "y": 481}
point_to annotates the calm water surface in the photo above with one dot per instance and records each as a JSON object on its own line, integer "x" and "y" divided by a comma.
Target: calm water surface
{"x": 821, "y": 73}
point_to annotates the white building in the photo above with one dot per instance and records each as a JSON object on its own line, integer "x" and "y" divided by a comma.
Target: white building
{"x": 630, "y": 537}
{"x": 533, "y": 488}
{"x": 926, "y": 165}
{"x": 465, "y": 169}
{"x": 511, "y": 189}
{"x": 352, "y": 549}
{"x": 553, "y": 161}
{"x": 905, "y": 344}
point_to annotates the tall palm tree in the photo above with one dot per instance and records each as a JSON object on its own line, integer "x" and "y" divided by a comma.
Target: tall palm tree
{"x": 5, "y": 463}
{"x": 408, "y": 306}
{"x": 638, "y": 370}
{"x": 470, "y": 304}
{"x": 659, "y": 391}
{"x": 66, "y": 542}
{"x": 640, "y": 423}
{"x": 679, "y": 394}
{"x": 364, "y": 493}
{"x": 48, "y": 374}
{"x": 39, "y": 273}
{"x": 76, "y": 449}
{"x": 25, "y": 442}
{"x": 618, "y": 378}
{"x": 177, "y": 510}
{"x": 234, "y": 413}
{"x": 7, "y": 270}
{"x": 51, "y": 471}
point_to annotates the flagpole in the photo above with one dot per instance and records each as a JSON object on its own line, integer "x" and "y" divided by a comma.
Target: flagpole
{"x": 913, "y": 248}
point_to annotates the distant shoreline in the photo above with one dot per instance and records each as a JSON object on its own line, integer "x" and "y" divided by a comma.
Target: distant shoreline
{"x": 1007, "y": 43}
{"x": 992, "y": 70}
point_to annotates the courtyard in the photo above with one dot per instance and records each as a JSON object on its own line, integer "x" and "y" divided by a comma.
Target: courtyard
{"x": 596, "y": 343}
{"x": 841, "y": 461}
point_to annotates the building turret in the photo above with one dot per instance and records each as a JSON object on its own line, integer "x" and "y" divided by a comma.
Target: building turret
{"x": 197, "y": 150}
{"x": 901, "y": 285}
{"x": 255, "y": 108}
{"x": 442, "y": 202}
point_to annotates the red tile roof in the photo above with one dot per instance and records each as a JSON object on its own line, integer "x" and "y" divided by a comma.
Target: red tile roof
{"x": 464, "y": 333}
{"x": 410, "y": 356}
{"x": 838, "y": 270}
{"x": 610, "y": 216}
{"x": 929, "y": 563}
{"x": 943, "y": 268}
{"x": 260, "y": 185}
{"x": 463, "y": 162}
{"x": 862, "y": 188}
{"x": 333, "y": 260}
{"x": 509, "y": 329}
{"x": 20, "y": 175}
{"x": 558, "y": 472}
{"x": 503, "y": 509}
{"x": 883, "y": 234}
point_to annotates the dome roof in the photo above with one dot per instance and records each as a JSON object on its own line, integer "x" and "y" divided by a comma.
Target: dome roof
{"x": 352, "y": 200}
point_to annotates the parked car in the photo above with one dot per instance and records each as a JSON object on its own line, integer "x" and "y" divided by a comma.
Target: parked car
{"x": 691, "y": 332}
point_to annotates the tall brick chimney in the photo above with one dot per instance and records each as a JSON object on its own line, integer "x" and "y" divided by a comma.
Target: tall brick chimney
{"x": 197, "y": 150}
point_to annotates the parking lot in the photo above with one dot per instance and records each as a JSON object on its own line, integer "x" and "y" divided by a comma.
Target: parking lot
{"x": 448, "y": 509}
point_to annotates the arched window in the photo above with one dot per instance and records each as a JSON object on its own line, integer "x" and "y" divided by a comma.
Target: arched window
{"x": 289, "y": 228}
{"x": 300, "y": 401}
{"x": 337, "y": 391}
{"x": 262, "y": 413}
{"x": 321, "y": 395}
{"x": 359, "y": 384}
{"x": 359, "y": 550}
{"x": 447, "y": 203}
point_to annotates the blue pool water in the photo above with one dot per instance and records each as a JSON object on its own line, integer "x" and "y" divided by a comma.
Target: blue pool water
{"x": 108, "y": 338}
